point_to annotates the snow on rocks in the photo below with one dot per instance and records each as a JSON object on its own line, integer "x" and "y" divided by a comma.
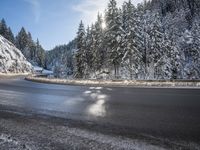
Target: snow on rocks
{"x": 11, "y": 58}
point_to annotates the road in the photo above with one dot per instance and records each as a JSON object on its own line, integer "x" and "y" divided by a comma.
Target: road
{"x": 154, "y": 113}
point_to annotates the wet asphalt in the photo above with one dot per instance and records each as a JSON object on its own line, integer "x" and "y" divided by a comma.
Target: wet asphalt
{"x": 165, "y": 113}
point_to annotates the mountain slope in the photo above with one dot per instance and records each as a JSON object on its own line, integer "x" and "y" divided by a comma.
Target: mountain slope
{"x": 11, "y": 59}
{"x": 60, "y": 59}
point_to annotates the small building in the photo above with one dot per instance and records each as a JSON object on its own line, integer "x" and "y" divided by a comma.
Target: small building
{"x": 47, "y": 73}
{"x": 37, "y": 70}
{"x": 40, "y": 72}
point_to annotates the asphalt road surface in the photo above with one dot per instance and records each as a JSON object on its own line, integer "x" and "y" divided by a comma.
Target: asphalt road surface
{"x": 166, "y": 117}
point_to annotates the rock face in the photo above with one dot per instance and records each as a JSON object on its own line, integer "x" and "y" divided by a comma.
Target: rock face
{"x": 11, "y": 58}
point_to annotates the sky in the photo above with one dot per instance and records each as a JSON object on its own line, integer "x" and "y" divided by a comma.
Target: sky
{"x": 53, "y": 22}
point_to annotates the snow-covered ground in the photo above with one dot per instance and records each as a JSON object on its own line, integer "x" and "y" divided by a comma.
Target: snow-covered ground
{"x": 171, "y": 84}
{"x": 11, "y": 59}
{"x": 13, "y": 74}
{"x": 7, "y": 142}
{"x": 34, "y": 133}
{"x": 4, "y": 76}
{"x": 110, "y": 142}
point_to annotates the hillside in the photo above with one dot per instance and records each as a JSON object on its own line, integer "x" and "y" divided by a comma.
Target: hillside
{"x": 11, "y": 59}
{"x": 60, "y": 59}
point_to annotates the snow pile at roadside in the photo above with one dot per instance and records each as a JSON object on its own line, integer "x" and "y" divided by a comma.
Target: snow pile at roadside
{"x": 131, "y": 83}
{"x": 11, "y": 58}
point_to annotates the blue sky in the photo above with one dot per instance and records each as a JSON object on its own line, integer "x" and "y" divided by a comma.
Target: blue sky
{"x": 54, "y": 22}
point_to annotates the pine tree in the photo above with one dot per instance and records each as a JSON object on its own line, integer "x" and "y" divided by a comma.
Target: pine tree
{"x": 89, "y": 48}
{"x": 3, "y": 28}
{"x": 98, "y": 52}
{"x": 22, "y": 40}
{"x": 193, "y": 70}
{"x": 81, "y": 62}
{"x": 33, "y": 52}
{"x": 10, "y": 36}
{"x": 176, "y": 59}
{"x": 195, "y": 49}
{"x": 114, "y": 35}
{"x": 22, "y": 43}
{"x": 40, "y": 54}
{"x": 155, "y": 53}
{"x": 132, "y": 59}
{"x": 145, "y": 41}
{"x": 168, "y": 63}
{"x": 32, "y": 48}
{"x": 6, "y": 32}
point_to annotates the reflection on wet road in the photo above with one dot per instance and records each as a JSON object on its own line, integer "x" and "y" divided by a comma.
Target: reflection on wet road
{"x": 98, "y": 108}
{"x": 164, "y": 112}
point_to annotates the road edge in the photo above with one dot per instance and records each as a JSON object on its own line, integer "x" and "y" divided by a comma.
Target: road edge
{"x": 120, "y": 83}
{"x": 13, "y": 75}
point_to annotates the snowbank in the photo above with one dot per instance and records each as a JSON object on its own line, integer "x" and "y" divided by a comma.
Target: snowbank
{"x": 11, "y": 58}
{"x": 127, "y": 83}
{"x": 12, "y": 75}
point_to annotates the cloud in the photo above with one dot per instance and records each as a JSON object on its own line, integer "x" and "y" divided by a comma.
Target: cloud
{"x": 35, "y": 8}
{"x": 90, "y": 8}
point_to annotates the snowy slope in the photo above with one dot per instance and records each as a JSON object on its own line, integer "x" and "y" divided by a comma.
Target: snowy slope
{"x": 11, "y": 58}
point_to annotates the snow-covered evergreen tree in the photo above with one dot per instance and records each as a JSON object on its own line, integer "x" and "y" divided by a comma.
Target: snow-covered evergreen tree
{"x": 89, "y": 48}
{"x": 10, "y": 36}
{"x": 176, "y": 56}
{"x": 114, "y": 36}
{"x": 132, "y": 59}
{"x": 81, "y": 61}
{"x": 40, "y": 54}
{"x": 195, "y": 49}
{"x": 98, "y": 52}
{"x": 155, "y": 49}
{"x": 22, "y": 40}
{"x": 155, "y": 40}
{"x": 6, "y": 32}
{"x": 33, "y": 52}
{"x": 3, "y": 28}
{"x": 192, "y": 70}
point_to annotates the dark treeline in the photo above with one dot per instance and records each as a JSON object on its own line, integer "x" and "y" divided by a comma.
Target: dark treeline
{"x": 158, "y": 39}
{"x": 32, "y": 50}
